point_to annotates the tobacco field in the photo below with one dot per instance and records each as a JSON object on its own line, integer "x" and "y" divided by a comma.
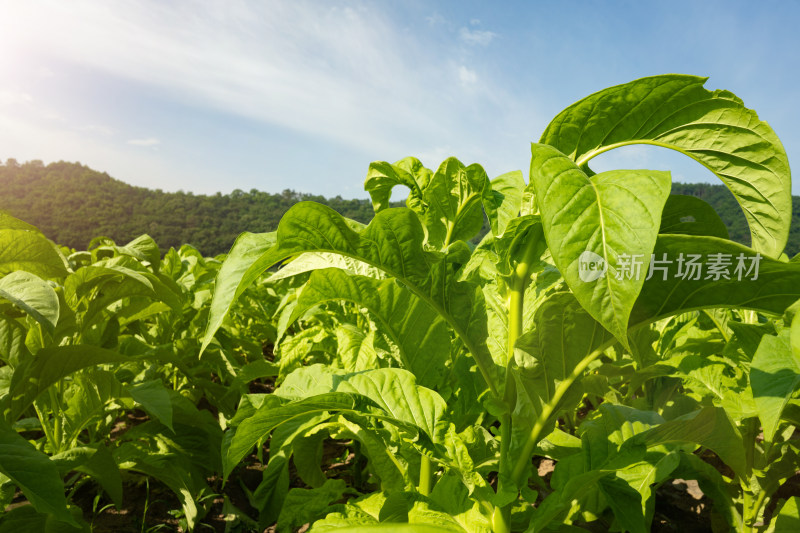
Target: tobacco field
{"x": 602, "y": 344}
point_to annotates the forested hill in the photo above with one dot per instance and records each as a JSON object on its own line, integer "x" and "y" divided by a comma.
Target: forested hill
{"x": 72, "y": 204}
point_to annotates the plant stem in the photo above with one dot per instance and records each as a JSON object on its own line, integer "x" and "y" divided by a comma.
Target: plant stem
{"x": 501, "y": 520}
{"x": 533, "y": 438}
{"x": 425, "y": 475}
{"x": 501, "y": 517}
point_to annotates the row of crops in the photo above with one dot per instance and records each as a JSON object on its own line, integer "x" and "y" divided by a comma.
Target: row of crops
{"x": 398, "y": 377}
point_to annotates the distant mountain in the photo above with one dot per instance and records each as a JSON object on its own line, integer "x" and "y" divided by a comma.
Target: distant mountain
{"x": 72, "y": 204}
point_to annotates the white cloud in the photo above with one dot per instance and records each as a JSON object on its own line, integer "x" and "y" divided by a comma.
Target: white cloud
{"x": 321, "y": 69}
{"x": 479, "y": 37}
{"x": 149, "y": 141}
{"x": 339, "y": 74}
{"x": 435, "y": 19}
{"x": 467, "y": 76}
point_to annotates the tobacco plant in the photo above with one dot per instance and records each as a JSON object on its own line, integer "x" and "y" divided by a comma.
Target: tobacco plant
{"x": 87, "y": 338}
{"x": 585, "y": 292}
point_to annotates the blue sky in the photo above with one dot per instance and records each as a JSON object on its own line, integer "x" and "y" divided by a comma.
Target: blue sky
{"x": 215, "y": 96}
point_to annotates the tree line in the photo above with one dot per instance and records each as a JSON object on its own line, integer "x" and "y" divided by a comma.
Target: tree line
{"x": 72, "y": 204}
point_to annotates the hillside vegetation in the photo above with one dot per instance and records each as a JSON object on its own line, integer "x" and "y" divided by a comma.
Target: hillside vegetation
{"x": 72, "y": 204}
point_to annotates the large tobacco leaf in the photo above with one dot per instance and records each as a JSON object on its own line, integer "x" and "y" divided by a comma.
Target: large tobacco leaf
{"x": 776, "y": 287}
{"x": 609, "y": 216}
{"x": 714, "y": 128}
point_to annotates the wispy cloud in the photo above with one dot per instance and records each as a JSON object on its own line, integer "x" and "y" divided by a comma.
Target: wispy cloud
{"x": 476, "y": 37}
{"x": 467, "y": 76}
{"x": 328, "y": 71}
{"x": 435, "y": 19}
{"x": 149, "y": 141}
{"x": 347, "y": 77}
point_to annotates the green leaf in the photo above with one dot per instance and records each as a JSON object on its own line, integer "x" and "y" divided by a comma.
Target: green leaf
{"x": 305, "y": 505}
{"x": 714, "y": 128}
{"x": 383, "y": 177}
{"x": 155, "y": 399}
{"x": 103, "y": 284}
{"x": 788, "y": 518}
{"x": 12, "y": 341}
{"x": 413, "y": 325}
{"x": 255, "y": 428}
{"x": 307, "y": 381}
{"x": 713, "y": 485}
{"x": 102, "y": 467}
{"x": 396, "y": 392}
{"x": 774, "y": 376}
{"x": 25, "y": 518}
{"x": 503, "y": 203}
{"x": 384, "y": 528}
{"x": 563, "y": 335}
{"x": 143, "y": 248}
{"x": 390, "y": 395}
{"x": 561, "y": 500}
{"x": 9, "y": 222}
{"x": 34, "y": 473}
{"x": 165, "y": 468}
{"x": 393, "y": 474}
{"x": 455, "y": 194}
{"x": 607, "y": 219}
{"x": 356, "y": 348}
{"x": 625, "y": 502}
{"x": 511, "y": 245}
{"x": 21, "y": 249}
{"x": 776, "y": 287}
{"x": 33, "y": 295}
{"x": 307, "y": 457}
{"x": 98, "y": 463}
{"x": 310, "y": 261}
{"x": 34, "y": 375}
{"x": 602, "y": 436}
{"x": 709, "y": 427}
{"x": 240, "y": 269}
{"x": 689, "y": 215}
{"x": 85, "y": 399}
